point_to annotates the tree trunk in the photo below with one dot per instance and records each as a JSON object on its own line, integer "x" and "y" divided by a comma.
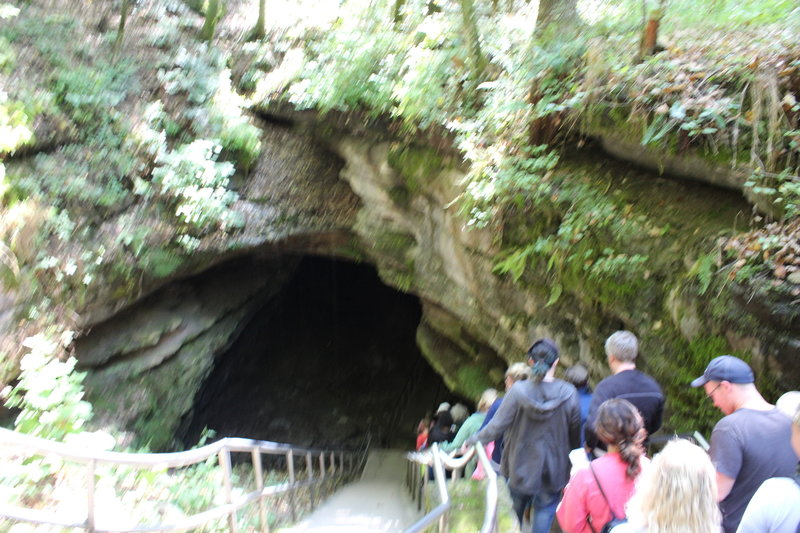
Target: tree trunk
{"x": 559, "y": 12}
{"x": 212, "y": 15}
{"x": 650, "y": 36}
{"x": 477, "y": 62}
{"x": 260, "y": 29}
{"x": 123, "y": 18}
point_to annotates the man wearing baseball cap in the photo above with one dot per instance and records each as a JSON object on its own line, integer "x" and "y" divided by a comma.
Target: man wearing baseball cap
{"x": 751, "y": 443}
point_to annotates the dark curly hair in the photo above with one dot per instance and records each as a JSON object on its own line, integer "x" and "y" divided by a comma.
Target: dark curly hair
{"x": 619, "y": 423}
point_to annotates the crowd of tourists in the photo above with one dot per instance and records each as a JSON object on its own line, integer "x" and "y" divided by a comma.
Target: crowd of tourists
{"x": 578, "y": 456}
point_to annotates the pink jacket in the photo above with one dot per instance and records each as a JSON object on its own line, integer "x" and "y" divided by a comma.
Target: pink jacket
{"x": 582, "y": 498}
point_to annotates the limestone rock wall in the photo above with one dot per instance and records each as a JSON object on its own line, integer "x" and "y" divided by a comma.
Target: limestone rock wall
{"x": 347, "y": 197}
{"x": 475, "y": 322}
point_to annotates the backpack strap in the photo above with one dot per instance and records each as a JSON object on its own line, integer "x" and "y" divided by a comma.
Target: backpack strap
{"x": 602, "y": 492}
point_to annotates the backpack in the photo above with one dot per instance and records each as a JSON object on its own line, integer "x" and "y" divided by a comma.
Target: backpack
{"x": 615, "y": 520}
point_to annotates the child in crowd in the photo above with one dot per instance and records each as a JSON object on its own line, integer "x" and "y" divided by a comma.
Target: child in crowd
{"x": 598, "y": 494}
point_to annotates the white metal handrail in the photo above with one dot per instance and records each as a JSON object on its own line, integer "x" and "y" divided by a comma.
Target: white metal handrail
{"x": 27, "y": 445}
{"x": 440, "y": 461}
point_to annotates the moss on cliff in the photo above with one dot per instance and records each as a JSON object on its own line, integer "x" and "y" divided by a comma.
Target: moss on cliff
{"x": 652, "y": 233}
{"x": 416, "y": 164}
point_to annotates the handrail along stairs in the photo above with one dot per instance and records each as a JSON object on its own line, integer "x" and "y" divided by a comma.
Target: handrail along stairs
{"x": 417, "y": 479}
{"x": 326, "y": 470}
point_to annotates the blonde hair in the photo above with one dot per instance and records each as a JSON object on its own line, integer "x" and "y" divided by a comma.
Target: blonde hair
{"x": 789, "y": 403}
{"x": 677, "y": 493}
{"x": 487, "y": 399}
{"x": 518, "y": 371}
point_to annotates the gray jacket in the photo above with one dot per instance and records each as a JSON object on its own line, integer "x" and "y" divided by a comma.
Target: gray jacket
{"x": 541, "y": 423}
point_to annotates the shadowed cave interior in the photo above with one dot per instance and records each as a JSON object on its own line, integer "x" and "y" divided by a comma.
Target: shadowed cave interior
{"x": 329, "y": 361}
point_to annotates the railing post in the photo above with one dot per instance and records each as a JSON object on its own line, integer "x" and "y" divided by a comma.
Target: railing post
{"x": 225, "y": 462}
{"x": 259, "y": 473}
{"x": 423, "y": 485}
{"x": 323, "y": 489}
{"x": 310, "y": 469}
{"x": 290, "y": 466}
{"x": 90, "y": 487}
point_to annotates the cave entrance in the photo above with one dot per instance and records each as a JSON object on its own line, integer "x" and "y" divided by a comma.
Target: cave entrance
{"x": 330, "y": 360}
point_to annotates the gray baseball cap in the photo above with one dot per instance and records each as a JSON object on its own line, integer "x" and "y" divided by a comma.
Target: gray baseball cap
{"x": 726, "y": 368}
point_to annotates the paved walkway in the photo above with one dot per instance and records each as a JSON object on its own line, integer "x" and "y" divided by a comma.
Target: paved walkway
{"x": 378, "y": 503}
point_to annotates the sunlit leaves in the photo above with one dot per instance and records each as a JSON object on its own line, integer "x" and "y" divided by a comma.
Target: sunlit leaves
{"x": 49, "y": 392}
{"x": 191, "y": 175}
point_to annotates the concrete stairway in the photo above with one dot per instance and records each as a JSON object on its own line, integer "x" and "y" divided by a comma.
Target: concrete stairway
{"x": 377, "y": 503}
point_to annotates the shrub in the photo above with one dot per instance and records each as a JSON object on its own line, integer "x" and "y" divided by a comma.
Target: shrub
{"x": 49, "y": 392}
{"x": 243, "y": 142}
{"x": 192, "y": 177}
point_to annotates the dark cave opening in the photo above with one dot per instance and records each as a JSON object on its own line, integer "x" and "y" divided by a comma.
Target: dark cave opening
{"x": 329, "y": 361}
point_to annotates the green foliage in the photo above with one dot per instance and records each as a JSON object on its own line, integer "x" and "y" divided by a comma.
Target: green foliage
{"x": 704, "y": 269}
{"x": 89, "y": 93}
{"x": 7, "y": 55}
{"x": 95, "y": 174}
{"x": 782, "y": 190}
{"x": 417, "y": 165}
{"x": 688, "y": 408}
{"x": 366, "y": 64}
{"x": 414, "y": 70}
{"x": 508, "y": 180}
{"x": 16, "y": 124}
{"x": 243, "y": 142}
{"x": 468, "y": 505}
{"x": 47, "y": 34}
{"x": 193, "y": 71}
{"x": 199, "y": 483}
{"x": 351, "y": 81}
{"x": 199, "y": 6}
{"x": 473, "y": 380}
{"x": 198, "y": 185}
{"x": 214, "y": 110}
{"x": 49, "y": 393}
{"x": 731, "y": 13}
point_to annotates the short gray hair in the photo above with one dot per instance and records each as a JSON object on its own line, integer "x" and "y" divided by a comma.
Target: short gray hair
{"x": 623, "y": 345}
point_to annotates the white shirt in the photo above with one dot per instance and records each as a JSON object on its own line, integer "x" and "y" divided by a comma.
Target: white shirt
{"x": 775, "y": 508}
